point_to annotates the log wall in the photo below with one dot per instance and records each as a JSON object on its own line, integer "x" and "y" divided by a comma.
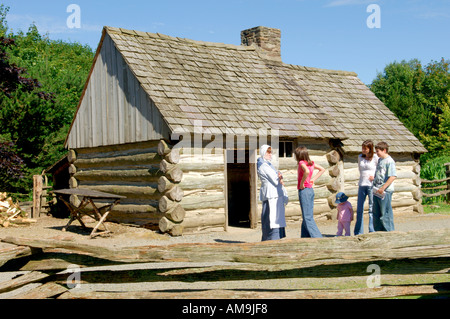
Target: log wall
{"x": 407, "y": 194}
{"x": 325, "y": 187}
{"x": 204, "y": 188}
{"x": 178, "y": 192}
{"x": 131, "y": 170}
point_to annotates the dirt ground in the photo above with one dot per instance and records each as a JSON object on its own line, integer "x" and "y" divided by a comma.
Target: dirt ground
{"x": 48, "y": 227}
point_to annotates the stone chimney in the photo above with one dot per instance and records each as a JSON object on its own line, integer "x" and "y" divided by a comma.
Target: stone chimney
{"x": 267, "y": 39}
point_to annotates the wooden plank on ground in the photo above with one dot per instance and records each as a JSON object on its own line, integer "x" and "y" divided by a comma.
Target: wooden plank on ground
{"x": 368, "y": 293}
{"x": 9, "y": 251}
{"x": 47, "y": 290}
{"x": 31, "y": 277}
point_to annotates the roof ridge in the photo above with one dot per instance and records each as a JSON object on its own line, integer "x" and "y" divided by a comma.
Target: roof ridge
{"x": 225, "y": 46}
{"x": 320, "y": 70}
{"x": 168, "y": 37}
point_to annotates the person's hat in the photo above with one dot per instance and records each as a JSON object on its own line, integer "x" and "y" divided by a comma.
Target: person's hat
{"x": 341, "y": 198}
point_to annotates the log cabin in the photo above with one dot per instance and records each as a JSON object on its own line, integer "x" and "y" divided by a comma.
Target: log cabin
{"x": 175, "y": 125}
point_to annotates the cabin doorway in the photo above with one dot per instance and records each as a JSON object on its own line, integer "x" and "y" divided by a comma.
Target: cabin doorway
{"x": 241, "y": 190}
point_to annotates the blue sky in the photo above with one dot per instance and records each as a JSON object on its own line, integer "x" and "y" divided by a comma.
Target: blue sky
{"x": 330, "y": 34}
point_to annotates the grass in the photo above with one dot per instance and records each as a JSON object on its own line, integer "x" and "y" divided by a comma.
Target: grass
{"x": 438, "y": 208}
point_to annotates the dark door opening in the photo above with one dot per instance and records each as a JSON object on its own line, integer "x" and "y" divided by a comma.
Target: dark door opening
{"x": 240, "y": 191}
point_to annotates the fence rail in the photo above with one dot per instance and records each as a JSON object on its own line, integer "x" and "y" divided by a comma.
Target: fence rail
{"x": 445, "y": 187}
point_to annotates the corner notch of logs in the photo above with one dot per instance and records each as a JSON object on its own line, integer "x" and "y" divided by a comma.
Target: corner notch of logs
{"x": 172, "y": 194}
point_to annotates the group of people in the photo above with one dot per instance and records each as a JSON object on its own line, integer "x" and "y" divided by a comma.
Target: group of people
{"x": 377, "y": 174}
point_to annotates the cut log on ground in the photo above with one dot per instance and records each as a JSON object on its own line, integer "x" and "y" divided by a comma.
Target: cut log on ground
{"x": 300, "y": 252}
{"x": 382, "y": 292}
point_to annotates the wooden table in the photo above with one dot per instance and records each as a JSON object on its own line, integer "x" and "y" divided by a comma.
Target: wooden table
{"x": 88, "y": 197}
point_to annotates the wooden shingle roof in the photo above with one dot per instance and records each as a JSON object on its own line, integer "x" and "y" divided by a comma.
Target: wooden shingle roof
{"x": 233, "y": 89}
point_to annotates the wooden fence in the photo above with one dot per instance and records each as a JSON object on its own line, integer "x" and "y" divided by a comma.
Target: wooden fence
{"x": 414, "y": 263}
{"x": 443, "y": 189}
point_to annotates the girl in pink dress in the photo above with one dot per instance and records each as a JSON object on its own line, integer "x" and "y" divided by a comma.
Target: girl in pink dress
{"x": 344, "y": 215}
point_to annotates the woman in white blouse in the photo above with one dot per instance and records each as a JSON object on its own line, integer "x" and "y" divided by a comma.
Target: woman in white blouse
{"x": 367, "y": 164}
{"x": 273, "y": 197}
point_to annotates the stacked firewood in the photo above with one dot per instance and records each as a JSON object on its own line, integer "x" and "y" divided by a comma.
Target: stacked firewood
{"x": 11, "y": 214}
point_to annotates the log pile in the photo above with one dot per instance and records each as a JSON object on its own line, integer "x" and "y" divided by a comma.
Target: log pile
{"x": 411, "y": 263}
{"x": 11, "y": 214}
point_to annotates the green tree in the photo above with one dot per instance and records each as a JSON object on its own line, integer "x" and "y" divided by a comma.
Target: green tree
{"x": 417, "y": 95}
{"x": 438, "y": 142}
{"x": 37, "y": 123}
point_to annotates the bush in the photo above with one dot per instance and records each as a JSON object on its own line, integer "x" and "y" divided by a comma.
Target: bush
{"x": 434, "y": 169}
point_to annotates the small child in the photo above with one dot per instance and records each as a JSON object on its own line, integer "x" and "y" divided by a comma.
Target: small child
{"x": 344, "y": 215}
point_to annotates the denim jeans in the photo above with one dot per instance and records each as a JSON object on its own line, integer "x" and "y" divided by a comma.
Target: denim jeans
{"x": 309, "y": 227}
{"x": 363, "y": 191}
{"x": 383, "y": 215}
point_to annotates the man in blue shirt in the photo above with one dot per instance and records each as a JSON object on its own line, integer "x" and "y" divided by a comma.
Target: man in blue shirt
{"x": 383, "y": 188}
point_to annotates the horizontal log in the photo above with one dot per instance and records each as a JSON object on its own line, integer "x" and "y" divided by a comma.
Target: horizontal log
{"x": 236, "y": 294}
{"x": 193, "y": 166}
{"x": 118, "y": 149}
{"x": 117, "y": 161}
{"x": 45, "y": 291}
{"x": 319, "y": 192}
{"x": 200, "y": 220}
{"x": 131, "y": 192}
{"x": 291, "y": 163}
{"x": 352, "y": 190}
{"x": 152, "y": 174}
{"x": 298, "y": 251}
{"x": 31, "y": 277}
{"x": 290, "y": 178}
{"x": 203, "y": 200}
{"x": 353, "y": 163}
{"x": 9, "y": 252}
{"x": 353, "y": 174}
{"x": 436, "y": 194}
{"x": 194, "y": 181}
{"x": 293, "y": 209}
